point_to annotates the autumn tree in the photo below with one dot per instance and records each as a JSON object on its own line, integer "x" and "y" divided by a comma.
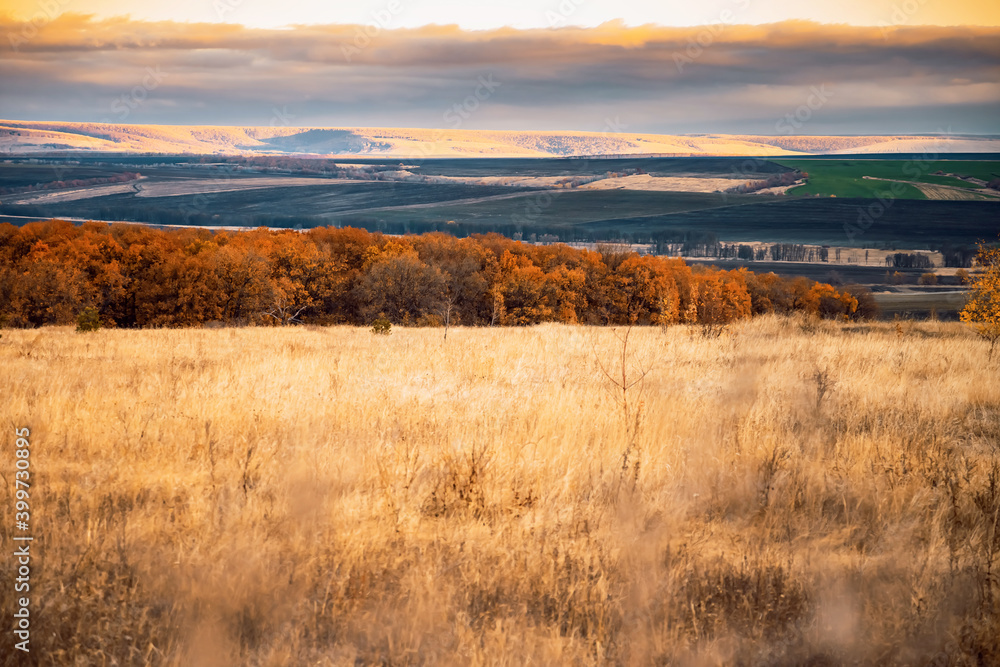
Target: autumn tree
{"x": 245, "y": 287}
{"x": 722, "y": 297}
{"x": 395, "y": 283}
{"x": 493, "y": 273}
{"x": 44, "y": 289}
{"x": 768, "y": 293}
{"x": 824, "y": 300}
{"x": 642, "y": 290}
{"x": 982, "y": 310}
{"x": 47, "y": 293}
{"x": 299, "y": 277}
{"x": 181, "y": 290}
{"x": 463, "y": 263}
{"x": 524, "y": 295}
{"x": 564, "y": 292}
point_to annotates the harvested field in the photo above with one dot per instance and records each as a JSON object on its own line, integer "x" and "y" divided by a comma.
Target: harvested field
{"x": 947, "y": 193}
{"x": 664, "y": 183}
{"x": 196, "y": 186}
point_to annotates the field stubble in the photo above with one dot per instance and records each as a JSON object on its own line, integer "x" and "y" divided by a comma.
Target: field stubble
{"x": 787, "y": 492}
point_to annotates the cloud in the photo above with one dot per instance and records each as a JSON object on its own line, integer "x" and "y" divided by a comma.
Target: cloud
{"x": 721, "y": 78}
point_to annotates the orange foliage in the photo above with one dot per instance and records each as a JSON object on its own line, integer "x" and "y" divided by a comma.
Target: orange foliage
{"x": 982, "y": 310}
{"x": 137, "y": 276}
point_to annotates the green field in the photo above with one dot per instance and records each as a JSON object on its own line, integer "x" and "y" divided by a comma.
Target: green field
{"x": 845, "y": 177}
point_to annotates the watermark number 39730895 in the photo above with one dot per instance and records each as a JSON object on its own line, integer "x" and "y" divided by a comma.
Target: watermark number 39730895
{"x": 22, "y": 539}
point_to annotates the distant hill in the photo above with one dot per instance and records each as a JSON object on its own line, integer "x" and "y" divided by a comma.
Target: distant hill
{"x": 28, "y": 137}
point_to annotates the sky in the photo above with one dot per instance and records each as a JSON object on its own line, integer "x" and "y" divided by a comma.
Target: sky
{"x": 714, "y": 66}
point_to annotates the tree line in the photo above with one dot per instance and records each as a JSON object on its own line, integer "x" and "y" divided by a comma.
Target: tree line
{"x": 902, "y": 260}
{"x": 776, "y": 252}
{"x": 137, "y": 276}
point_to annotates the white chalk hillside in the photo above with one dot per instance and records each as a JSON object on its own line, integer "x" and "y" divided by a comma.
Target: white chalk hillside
{"x": 27, "y": 137}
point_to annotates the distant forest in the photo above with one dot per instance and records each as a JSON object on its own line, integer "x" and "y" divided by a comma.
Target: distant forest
{"x": 137, "y": 276}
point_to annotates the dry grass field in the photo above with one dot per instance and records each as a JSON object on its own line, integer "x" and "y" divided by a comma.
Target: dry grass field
{"x": 787, "y": 492}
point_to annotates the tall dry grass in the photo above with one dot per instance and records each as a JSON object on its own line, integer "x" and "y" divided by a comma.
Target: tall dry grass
{"x": 787, "y": 492}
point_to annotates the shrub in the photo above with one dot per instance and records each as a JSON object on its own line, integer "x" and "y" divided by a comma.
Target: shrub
{"x": 983, "y": 307}
{"x": 88, "y": 320}
{"x": 928, "y": 279}
{"x": 382, "y": 326}
{"x": 868, "y": 308}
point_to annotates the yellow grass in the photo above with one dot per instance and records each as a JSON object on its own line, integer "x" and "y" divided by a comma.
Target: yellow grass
{"x": 794, "y": 492}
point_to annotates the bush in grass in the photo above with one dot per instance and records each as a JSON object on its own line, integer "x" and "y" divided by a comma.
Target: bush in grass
{"x": 88, "y": 320}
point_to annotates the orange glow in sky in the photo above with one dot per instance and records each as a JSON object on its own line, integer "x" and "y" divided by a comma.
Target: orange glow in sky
{"x": 491, "y": 14}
